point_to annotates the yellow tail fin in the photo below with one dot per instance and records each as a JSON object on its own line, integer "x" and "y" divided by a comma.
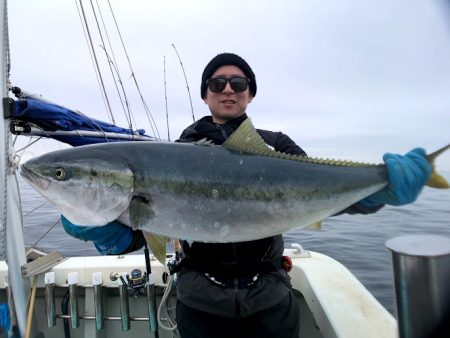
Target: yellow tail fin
{"x": 436, "y": 180}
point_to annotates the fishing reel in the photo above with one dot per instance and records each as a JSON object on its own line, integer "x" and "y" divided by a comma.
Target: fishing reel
{"x": 173, "y": 266}
{"x": 176, "y": 263}
{"x": 135, "y": 281}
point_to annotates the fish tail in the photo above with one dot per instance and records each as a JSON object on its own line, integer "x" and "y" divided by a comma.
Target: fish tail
{"x": 436, "y": 180}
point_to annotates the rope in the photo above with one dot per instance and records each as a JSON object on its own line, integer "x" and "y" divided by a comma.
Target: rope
{"x": 164, "y": 309}
{"x": 7, "y": 51}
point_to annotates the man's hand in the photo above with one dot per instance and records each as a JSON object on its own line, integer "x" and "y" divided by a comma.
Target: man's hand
{"x": 111, "y": 239}
{"x": 407, "y": 176}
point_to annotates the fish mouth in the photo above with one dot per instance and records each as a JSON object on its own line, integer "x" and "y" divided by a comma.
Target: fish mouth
{"x": 34, "y": 179}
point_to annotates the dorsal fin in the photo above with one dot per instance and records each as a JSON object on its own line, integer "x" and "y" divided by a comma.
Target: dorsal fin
{"x": 246, "y": 139}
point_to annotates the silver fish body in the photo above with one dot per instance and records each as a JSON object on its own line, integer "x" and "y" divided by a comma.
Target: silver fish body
{"x": 197, "y": 192}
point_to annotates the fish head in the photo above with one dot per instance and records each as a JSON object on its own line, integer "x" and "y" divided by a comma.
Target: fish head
{"x": 88, "y": 187}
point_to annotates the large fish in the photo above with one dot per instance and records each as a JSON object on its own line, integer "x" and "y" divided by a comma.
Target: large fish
{"x": 240, "y": 191}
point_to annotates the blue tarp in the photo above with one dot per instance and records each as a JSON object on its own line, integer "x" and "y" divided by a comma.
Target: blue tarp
{"x": 51, "y": 117}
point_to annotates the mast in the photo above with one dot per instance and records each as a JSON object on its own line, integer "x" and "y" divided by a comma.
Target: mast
{"x": 11, "y": 227}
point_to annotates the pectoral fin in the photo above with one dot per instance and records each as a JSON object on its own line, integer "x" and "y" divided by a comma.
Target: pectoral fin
{"x": 140, "y": 212}
{"x": 157, "y": 244}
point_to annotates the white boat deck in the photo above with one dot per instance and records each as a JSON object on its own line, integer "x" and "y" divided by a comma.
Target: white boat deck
{"x": 333, "y": 302}
{"x": 341, "y": 305}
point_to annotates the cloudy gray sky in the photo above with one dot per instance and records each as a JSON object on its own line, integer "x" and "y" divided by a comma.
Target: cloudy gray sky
{"x": 344, "y": 78}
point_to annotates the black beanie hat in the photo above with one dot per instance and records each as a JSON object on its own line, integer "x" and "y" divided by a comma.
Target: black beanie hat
{"x": 226, "y": 59}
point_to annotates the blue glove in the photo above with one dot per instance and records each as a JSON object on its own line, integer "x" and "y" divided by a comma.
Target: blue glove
{"x": 110, "y": 239}
{"x": 407, "y": 176}
{"x": 5, "y": 320}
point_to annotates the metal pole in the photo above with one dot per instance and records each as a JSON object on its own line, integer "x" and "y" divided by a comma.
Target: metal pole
{"x": 50, "y": 298}
{"x": 124, "y": 304}
{"x": 11, "y": 235}
{"x": 97, "y": 281}
{"x": 421, "y": 266}
{"x": 151, "y": 295}
{"x": 73, "y": 299}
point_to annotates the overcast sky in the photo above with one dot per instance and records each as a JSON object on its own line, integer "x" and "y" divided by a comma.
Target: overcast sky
{"x": 345, "y": 79}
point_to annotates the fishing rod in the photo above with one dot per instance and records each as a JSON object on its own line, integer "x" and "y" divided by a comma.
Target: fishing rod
{"x": 112, "y": 64}
{"x": 133, "y": 76}
{"x": 85, "y": 25}
{"x": 151, "y": 294}
{"x": 185, "y": 79}
{"x": 165, "y": 96}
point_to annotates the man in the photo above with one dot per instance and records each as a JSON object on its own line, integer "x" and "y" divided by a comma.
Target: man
{"x": 241, "y": 289}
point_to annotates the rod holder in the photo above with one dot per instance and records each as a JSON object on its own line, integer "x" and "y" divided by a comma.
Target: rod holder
{"x": 151, "y": 303}
{"x": 124, "y": 304}
{"x": 72, "y": 278}
{"x": 49, "y": 279}
{"x": 97, "y": 281}
{"x": 421, "y": 265}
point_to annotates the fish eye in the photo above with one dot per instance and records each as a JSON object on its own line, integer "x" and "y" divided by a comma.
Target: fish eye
{"x": 60, "y": 173}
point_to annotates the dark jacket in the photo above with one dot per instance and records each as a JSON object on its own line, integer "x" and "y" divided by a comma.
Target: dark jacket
{"x": 200, "y": 284}
{"x": 220, "y": 277}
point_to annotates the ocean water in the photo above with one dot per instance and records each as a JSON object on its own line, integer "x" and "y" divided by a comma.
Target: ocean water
{"x": 357, "y": 241}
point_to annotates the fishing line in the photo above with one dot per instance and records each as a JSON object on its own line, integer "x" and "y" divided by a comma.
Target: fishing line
{"x": 45, "y": 234}
{"x": 35, "y": 209}
{"x": 123, "y": 101}
{"x": 144, "y": 103}
{"x": 94, "y": 124}
{"x": 95, "y": 61}
{"x": 114, "y": 62}
{"x": 90, "y": 52}
{"x": 29, "y": 144}
{"x": 110, "y": 62}
{"x": 129, "y": 116}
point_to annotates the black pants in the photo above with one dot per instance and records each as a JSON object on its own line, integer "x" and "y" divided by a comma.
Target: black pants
{"x": 280, "y": 321}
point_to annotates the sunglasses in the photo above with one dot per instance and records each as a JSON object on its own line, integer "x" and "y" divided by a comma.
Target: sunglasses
{"x": 238, "y": 84}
